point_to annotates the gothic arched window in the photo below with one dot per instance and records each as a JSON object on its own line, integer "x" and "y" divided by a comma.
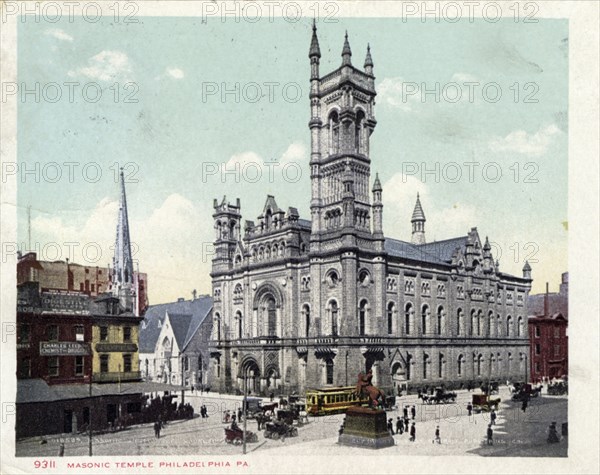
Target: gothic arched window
{"x": 390, "y": 317}
{"x": 306, "y": 311}
{"x": 271, "y": 317}
{"x": 424, "y": 318}
{"x": 362, "y": 317}
{"x": 440, "y": 320}
{"x": 334, "y": 317}
{"x": 334, "y": 133}
{"x": 408, "y": 318}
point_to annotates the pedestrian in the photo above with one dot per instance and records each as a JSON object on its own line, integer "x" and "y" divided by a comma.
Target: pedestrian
{"x": 493, "y": 417}
{"x": 390, "y": 426}
{"x": 61, "y": 449}
{"x": 239, "y": 414}
{"x": 524, "y": 405}
{"x": 399, "y": 426}
{"x": 490, "y": 435}
{"x": 157, "y": 428}
{"x": 406, "y": 424}
{"x": 192, "y": 389}
{"x": 413, "y": 412}
{"x": 470, "y": 409}
{"x": 405, "y": 412}
{"x": 272, "y": 396}
{"x": 552, "y": 434}
{"x": 437, "y": 435}
{"x": 413, "y": 432}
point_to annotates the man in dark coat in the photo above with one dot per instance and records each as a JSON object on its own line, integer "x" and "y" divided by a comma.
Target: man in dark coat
{"x": 390, "y": 426}
{"x": 413, "y": 412}
{"x": 470, "y": 409}
{"x": 405, "y": 412}
{"x": 493, "y": 417}
{"x": 490, "y": 435}
{"x": 413, "y": 432}
{"x": 399, "y": 426}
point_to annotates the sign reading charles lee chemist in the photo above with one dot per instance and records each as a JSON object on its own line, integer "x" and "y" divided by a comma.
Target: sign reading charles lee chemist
{"x": 64, "y": 348}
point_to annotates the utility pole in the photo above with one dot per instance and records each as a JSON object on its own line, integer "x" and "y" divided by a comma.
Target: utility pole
{"x": 90, "y": 421}
{"x": 245, "y": 408}
{"x": 29, "y": 228}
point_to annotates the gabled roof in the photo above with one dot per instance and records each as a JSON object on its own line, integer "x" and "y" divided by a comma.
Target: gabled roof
{"x": 406, "y": 250}
{"x": 199, "y": 309}
{"x": 180, "y": 323}
{"x": 444, "y": 250}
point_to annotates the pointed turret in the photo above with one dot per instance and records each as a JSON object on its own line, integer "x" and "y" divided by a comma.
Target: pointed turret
{"x": 527, "y": 270}
{"x": 122, "y": 273}
{"x": 486, "y": 246}
{"x": 369, "y": 61}
{"x": 346, "y": 52}
{"x": 377, "y": 208}
{"x": 315, "y": 51}
{"x": 418, "y": 223}
{"x": 377, "y": 184}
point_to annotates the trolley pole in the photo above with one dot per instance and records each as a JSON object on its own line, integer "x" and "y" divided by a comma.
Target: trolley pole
{"x": 245, "y": 409}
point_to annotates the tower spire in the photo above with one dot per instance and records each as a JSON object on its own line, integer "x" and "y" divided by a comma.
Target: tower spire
{"x": 346, "y": 51}
{"x": 122, "y": 278}
{"x": 314, "y": 51}
{"x": 418, "y": 223}
{"x": 368, "y": 59}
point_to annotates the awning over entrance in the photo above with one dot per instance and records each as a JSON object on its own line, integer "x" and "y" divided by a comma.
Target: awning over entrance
{"x": 37, "y": 390}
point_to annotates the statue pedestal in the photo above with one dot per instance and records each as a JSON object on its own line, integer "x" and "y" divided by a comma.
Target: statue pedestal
{"x": 365, "y": 427}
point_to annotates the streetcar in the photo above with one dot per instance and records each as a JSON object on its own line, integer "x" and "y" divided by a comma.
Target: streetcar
{"x": 324, "y": 401}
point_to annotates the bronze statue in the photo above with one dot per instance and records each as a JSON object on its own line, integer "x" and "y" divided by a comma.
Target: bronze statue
{"x": 364, "y": 387}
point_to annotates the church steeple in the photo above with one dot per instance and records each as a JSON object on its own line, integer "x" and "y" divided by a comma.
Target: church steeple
{"x": 346, "y": 52}
{"x": 418, "y": 223}
{"x": 369, "y": 61}
{"x": 122, "y": 285}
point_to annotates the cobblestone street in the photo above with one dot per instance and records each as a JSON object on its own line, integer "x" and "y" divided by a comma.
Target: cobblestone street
{"x": 515, "y": 433}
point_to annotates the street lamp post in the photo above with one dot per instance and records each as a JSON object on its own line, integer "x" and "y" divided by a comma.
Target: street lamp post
{"x": 245, "y": 409}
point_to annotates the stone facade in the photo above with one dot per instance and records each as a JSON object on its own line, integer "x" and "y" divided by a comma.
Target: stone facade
{"x": 300, "y": 304}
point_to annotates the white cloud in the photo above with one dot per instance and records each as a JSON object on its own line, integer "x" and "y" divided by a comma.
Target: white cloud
{"x": 463, "y": 77}
{"x": 399, "y": 93}
{"x": 59, "y": 34}
{"x": 105, "y": 66}
{"x": 519, "y": 141}
{"x": 244, "y": 158}
{"x": 173, "y": 245}
{"x": 399, "y": 198}
{"x": 175, "y": 73}
{"x": 296, "y": 152}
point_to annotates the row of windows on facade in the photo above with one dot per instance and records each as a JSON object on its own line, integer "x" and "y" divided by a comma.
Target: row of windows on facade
{"x": 479, "y": 368}
{"x": 557, "y": 332}
{"x": 538, "y": 349}
{"x": 54, "y": 365}
{"x": 332, "y": 279}
{"x": 77, "y": 333}
{"x": 429, "y": 325}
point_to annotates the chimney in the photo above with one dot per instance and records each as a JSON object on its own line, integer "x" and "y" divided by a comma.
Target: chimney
{"x": 181, "y": 299}
{"x": 194, "y": 293}
{"x": 546, "y": 301}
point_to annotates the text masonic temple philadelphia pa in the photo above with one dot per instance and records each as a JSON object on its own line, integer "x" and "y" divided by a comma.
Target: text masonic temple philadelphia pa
{"x": 311, "y": 303}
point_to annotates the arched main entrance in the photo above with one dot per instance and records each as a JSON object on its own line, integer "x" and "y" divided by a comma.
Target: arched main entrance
{"x": 249, "y": 371}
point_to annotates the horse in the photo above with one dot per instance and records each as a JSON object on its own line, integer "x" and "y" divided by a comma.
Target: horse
{"x": 376, "y": 396}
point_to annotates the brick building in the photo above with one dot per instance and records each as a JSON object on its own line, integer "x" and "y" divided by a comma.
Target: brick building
{"x": 65, "y": 275}
{"x": 548, "y": 333}
{"x": 301, "y": 303}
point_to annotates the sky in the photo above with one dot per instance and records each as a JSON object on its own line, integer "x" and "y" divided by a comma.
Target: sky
{"x": 157, "y": 97}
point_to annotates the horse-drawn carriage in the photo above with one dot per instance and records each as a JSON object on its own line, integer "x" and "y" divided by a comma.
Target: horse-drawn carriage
{"x": 235, "y": 435}
{"x": 558, "y": 388}
{"x": 484, "y": 403}
{"x": 492, "y": 387}
{"x": 278, "y": 429}
{"x": 439, "y": 396}
{"x": 525, "y": 391}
